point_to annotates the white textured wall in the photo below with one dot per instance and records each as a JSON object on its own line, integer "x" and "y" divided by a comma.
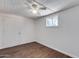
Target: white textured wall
{"x": 0, "y": 31}
{"x": 15, "y": 30}
{"x": 63, "y": 38}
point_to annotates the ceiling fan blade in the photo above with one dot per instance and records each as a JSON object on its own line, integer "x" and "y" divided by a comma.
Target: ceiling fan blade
{"x": 43, "y": 8}
{"x": 27, "y": 3}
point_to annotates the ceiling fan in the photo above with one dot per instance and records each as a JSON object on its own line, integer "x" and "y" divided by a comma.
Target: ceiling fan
{"x": 35, "y": 6}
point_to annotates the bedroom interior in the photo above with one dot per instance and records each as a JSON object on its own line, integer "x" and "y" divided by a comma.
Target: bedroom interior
{"x": 39, "y": 28}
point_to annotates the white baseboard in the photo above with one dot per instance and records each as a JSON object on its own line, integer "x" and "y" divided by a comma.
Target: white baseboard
{"x": 3, "y": 47}
{"x": 73, "y": 56}
{"x": 45, "y": 45}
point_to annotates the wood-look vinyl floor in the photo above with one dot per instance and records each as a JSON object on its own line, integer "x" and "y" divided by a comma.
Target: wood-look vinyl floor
{"x": 31, "y": 50}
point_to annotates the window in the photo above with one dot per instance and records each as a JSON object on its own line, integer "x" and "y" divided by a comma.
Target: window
{"x": 52, "y": 21}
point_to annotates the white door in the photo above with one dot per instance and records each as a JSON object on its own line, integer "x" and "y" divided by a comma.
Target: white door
{"x": 12, "y": 31}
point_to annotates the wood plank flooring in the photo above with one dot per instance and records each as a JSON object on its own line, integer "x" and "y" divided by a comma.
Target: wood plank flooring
{"x": 31, "y": 50}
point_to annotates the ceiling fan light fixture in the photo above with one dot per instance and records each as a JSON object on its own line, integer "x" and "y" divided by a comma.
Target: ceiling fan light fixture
{"x": 35, "y": 9}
